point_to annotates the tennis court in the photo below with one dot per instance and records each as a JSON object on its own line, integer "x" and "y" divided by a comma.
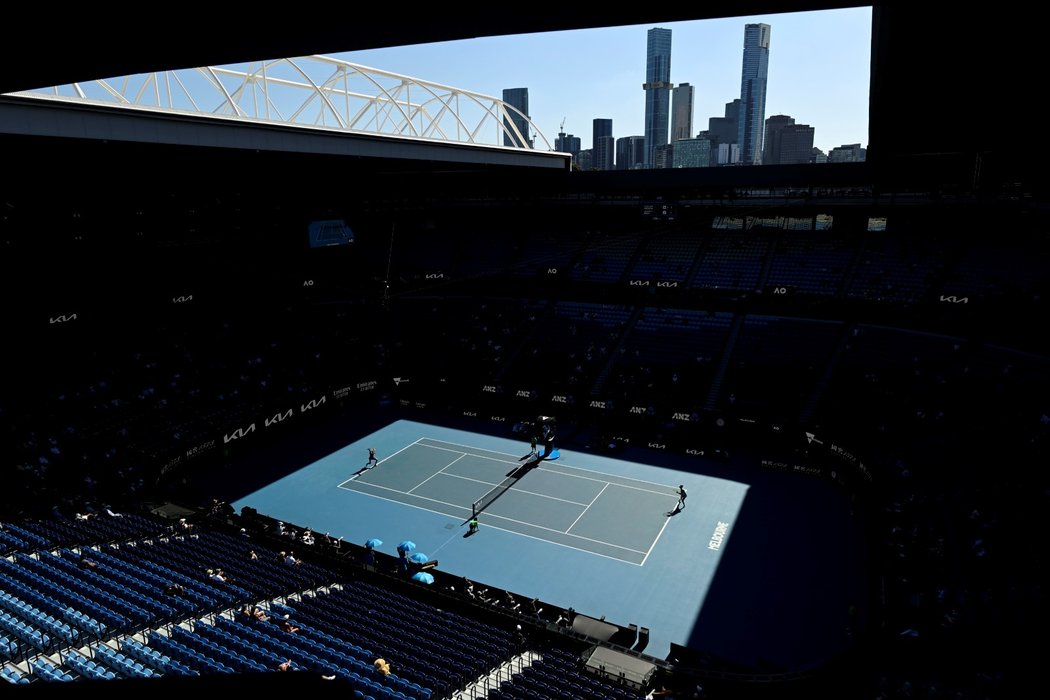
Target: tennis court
{"x": 592, "y": 532}
{"x": 552, "y": 501}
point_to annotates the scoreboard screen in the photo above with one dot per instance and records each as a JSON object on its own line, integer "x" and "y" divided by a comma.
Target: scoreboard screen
{"x": 658, "y": 211}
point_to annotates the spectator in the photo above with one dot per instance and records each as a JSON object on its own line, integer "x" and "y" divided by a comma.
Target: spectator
{"x": 175, "y": 589}
{"x": 382, "y": 666}
{"x": 288, "y": 627}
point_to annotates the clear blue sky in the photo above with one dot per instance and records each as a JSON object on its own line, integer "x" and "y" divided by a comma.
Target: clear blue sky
{"x": 819, "y": 71}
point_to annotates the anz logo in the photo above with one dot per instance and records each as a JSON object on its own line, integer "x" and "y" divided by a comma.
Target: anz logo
{"x": 682, "y": 416}
{"x": 239, "y": 433}
{"x": 559, "y": 399}
{"x": 597, "y": 404}
{"x": 63, "y": 319}
{"x": 955, "y": 300}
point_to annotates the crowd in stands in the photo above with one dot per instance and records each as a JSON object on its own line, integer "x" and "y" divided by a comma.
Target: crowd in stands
{"x": 954, "y": 417}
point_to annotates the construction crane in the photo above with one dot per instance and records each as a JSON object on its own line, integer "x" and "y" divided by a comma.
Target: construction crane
{"x": 561, "y": 129}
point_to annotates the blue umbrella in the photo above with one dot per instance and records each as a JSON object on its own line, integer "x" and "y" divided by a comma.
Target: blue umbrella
{"x": 423, "y": 576}
{"x": 419, "y": 558}
{"x": 373, "y": 543}
{"x": 406, "y": 546}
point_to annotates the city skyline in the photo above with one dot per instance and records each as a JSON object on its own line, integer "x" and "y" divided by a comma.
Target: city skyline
{"x": 819, "y": 72}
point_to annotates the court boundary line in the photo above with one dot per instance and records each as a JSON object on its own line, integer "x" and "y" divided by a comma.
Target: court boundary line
{"x": 593, "y": 471}
{"x": 513, "y": 488}
{"x": 658, "y": 536}
{"x": 385, "y": 459}
{"x": 567, "y": 546}
{"x": 587, "y": 508}
{"x": 419, "y": 442}
{"x": 387, "y": 488}
{"x": 463, "y": 454}
{"x": 555, "y": 471}
{"x": 439, "y": 471}
{"x": 502, "y": 517}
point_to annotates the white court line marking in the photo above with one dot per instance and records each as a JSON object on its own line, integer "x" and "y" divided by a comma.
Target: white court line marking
{"x": 385, "y": 459}
{"x": 541, "y": 539}
{"x": 435, "y": 447}
{"x": 567, "y": 546}
{"x": 561, "y": 473}
{"x": 562, "y": 532}
{"x": 658, "y": 536}
{"x": 387, "y": 488}
{"x": 439, "y": 471}
{"x": 585, "y": 509}
{"x": 517, "y": 490}
{"x": 460, "y": 444}
{"x": 493, "y": 515}
{"x": 567, "y": 466}
{"x": 602, "y": 481}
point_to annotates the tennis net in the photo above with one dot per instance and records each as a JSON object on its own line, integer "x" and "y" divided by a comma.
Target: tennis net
{"x": 493, "y": 493}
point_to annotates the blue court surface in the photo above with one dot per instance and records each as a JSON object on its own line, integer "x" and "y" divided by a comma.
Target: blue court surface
{"x": 758, "y": 567}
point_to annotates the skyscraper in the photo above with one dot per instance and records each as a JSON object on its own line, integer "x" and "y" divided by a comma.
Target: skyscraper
{"x": 796, "y": 144}
{"x": 604, "y": 145}
{"x": 682, "y": 112}
{"x": 849, "y": 153}
{"x": 657, "y": 88}
{"x": 753, "y": 79}
{"x": 787, "y": 143}
{"x": 518, "y": 98}
{"x": 567, "y": 143}
{"x": 771, "y": 144}
{"x": 630, "y": 152}
{"x": 726, "y": 129}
